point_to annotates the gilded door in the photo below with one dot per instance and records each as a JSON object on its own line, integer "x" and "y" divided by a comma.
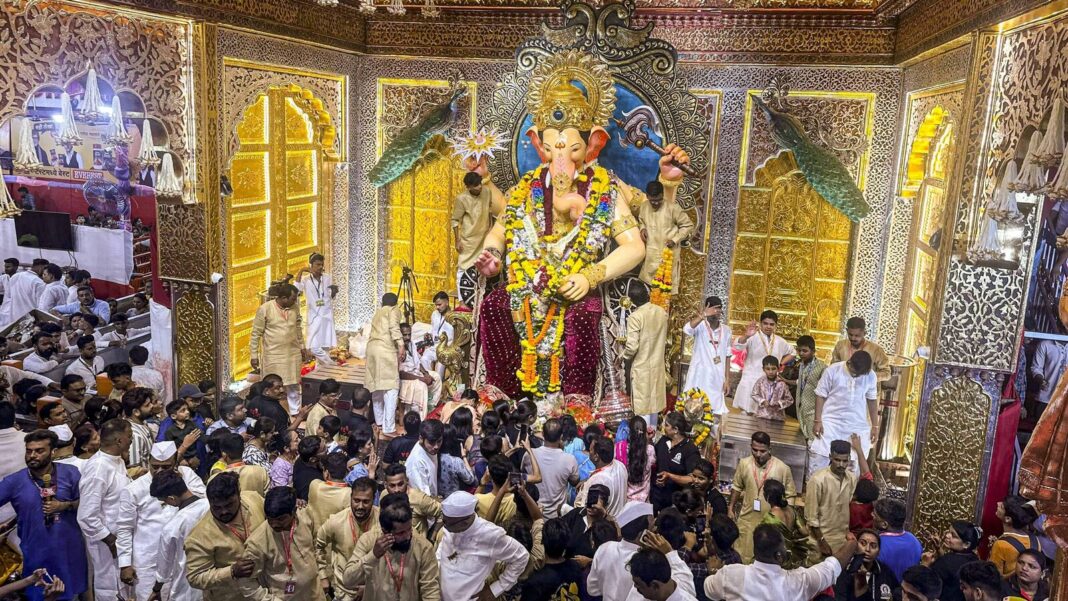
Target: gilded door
{"x": 928, "y": 164}
{"x": 791, "y": 255}
{"x": 420, "y": 234}
{"x": 274, "y": 214}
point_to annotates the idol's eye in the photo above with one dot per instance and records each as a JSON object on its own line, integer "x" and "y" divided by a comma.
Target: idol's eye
{"x": 558, "y": 115}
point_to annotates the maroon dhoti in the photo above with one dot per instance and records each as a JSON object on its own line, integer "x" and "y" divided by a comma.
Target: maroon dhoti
{"x": 501, "y": 350}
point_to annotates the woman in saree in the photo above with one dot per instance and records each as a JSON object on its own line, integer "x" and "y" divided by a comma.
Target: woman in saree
{"x": 788, "y": 522}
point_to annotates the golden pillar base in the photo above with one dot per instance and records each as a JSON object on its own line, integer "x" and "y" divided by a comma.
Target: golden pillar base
{"x": 193, "y": 332}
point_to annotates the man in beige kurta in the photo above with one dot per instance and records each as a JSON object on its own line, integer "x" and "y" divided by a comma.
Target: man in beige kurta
{"x": 277, "y": 342}
{"x": 252, "y": 478}
{"x": 376, "y": 560}
{"x": 748, "y": 487}
{"x": 327, "y": 498}
{"x": 471, "y": 220}
{"x": 425, "y": 509}
{"x": 647, "y": 329}
{"x": 664, "y": 225}
{"x": 334, "y": 544}
{"x": 385, "y": 349}
{"x": 827, "y": 498}
{"x": 213, "y": 547}
{"x": 283, "y": 551}
{"x": 856, "y": 340}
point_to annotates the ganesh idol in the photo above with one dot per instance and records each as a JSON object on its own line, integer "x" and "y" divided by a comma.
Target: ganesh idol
{"x": 566, "y": 228}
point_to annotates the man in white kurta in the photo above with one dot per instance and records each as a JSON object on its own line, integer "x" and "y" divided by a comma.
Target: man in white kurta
{"x": 758, "y": 342}
{"x": 22, "y": 293}
{"x": 142, "y": 519}
{"x": 417, "y": 384}
{"x": 385, "y": 349}
{"x": 711, "y": 359}
{"x": 846, "y": 404}
{"x": 608, "y": 472}
{"x": 103, "y": 480}
{"x": 170, "y": 562}
{"x": 438, "y": 327}
{"x": 319, "y": 291}
{"x": 422, "y": 464}
{"x": 54, "y": 292}
{"x": 665, "y": 225}
{"x": 647, "y": 329}
{"x": 469, "y": 550}
{"x": 277, "y": 344}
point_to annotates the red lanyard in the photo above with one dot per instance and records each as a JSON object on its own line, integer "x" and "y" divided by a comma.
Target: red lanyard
{"x": 767, "y": 469}
{"x": 398, "y": 579}
{"x": 713, "y": 339}
{"x": 287, "y": 547}
{"x": 244, "y": 527}
{"x": 239, "y": 464}
{"x": 352, "y": 526}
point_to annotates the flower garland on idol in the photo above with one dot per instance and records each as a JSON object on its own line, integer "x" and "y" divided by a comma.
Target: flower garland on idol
{"x": 702, "y": 429}
{"x": 535, "y": 272}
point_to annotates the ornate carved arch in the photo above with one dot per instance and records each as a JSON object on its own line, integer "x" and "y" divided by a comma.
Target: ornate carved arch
{"x": 921, "y": 149}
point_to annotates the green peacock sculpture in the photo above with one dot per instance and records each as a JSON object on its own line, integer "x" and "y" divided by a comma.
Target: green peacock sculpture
{"x": 821, "y": 168}
{"x": 406, "y": 148}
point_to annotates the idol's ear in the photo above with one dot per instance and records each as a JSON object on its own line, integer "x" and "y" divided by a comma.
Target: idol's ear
{"x": 598, "y": 140}
{"x": 535, "y": 139}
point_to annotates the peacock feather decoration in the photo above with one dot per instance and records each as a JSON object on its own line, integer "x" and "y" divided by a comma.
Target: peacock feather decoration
{"x": 821, "y": 168}
{"x": 407, "y": 146}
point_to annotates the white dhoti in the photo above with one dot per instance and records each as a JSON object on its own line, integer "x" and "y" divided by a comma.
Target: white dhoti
{"x": 145, "y": 581}
{"x": 416, "y": 393}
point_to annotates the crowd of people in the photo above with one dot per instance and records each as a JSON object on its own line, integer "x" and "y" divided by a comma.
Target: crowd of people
{"x": 239, "y": 499}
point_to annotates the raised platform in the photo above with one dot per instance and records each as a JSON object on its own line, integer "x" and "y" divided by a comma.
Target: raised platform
{"x": 787, "y": 443}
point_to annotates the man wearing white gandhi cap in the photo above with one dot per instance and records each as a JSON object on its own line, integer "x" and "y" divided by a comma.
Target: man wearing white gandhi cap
{"x": 142, "y": 517}
{"x": 470, "y": 548}
{"x": 64, "y": 453}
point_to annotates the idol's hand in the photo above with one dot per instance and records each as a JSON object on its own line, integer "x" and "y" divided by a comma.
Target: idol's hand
{"x": 673, "y": 153}
{"x": 575, "y": 287}
{"x": 488, "y": 264}
{"x": 479, "y": 166}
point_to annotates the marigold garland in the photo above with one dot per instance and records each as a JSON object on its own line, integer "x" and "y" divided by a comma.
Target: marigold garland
{"x": 535, "y": 272}
{"x": 702, "y": 429}
{"x": 660, "y": 294}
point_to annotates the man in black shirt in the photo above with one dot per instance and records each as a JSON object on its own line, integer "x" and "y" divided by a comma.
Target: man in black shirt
{"x": 559, "y": 572}
{"x": 676, "y": 458}
{"x": 401, "y": 446}
{"x": 360, "y": 416}
{"x": 267, "y": 402}
{"x": 307, "y": 468}
{"x": 580, "y": 520}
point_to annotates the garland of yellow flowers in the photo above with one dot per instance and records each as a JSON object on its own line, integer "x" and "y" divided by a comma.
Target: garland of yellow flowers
{"x": 529, "y": 270}
{"x": 661, "y": 286}
{"x": 703, "y": 428}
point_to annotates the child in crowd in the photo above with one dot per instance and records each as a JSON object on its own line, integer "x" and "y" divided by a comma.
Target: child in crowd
{"x": 861, "y": 506}
{"x": 770, "y": 393}
{"x": 182, "y": 427}
{"x": 1017, "y": 516}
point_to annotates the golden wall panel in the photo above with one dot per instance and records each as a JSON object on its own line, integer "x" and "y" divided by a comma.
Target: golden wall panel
{"x": 951, "y": 464}
{"x": 301, "y": 227}
{"x": 302, "y": 173}
{"x": 250, "y": 243}
{"x": 832, "y": 260}
{"x": 245, "y": 291}
{"x": 253, "y": 126}
{"x": 754, "y": 210}
{"x": 240, "y": 351}
{"x": 298, "y": 125}
{"x": 751, "y": 252}
{"x": 248, "y": 176}
{"x": 923, "y": 279}
{"x": 194, "y": 339}
{"x": 798, "y": 265}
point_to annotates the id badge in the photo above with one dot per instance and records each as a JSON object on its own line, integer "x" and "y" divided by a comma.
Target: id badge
{"x": 716, "y": 360}
{"x": 291, "y": 587}
{"x": 320, "y": 303}
{"x": 756, "y": 504}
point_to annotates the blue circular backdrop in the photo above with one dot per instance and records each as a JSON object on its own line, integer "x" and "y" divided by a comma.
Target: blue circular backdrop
{"x": 634, "y": 166}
